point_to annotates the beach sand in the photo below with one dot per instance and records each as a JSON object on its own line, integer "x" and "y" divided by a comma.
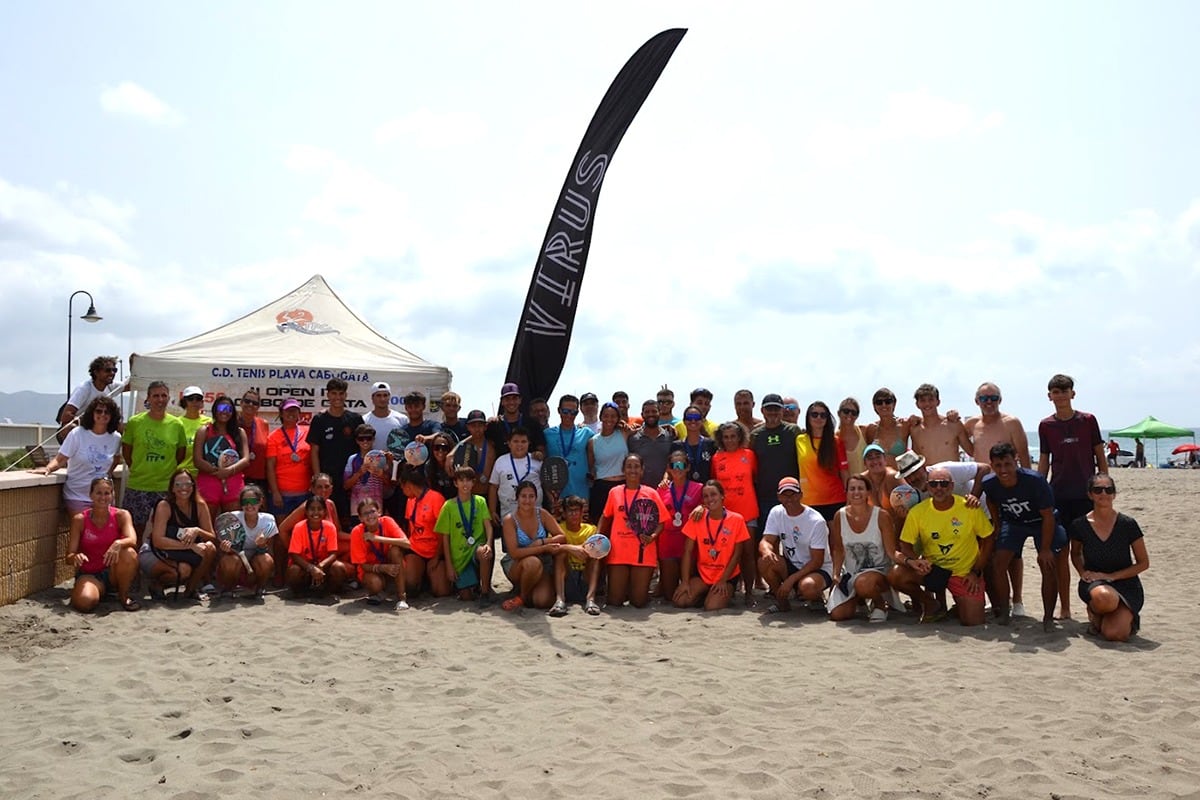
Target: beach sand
{"x": 297, "y": 699}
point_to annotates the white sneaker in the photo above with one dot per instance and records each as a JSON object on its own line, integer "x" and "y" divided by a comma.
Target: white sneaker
{"x": 877, "y": 615}
{"x": 1018, "y": 610}
{"x": 402, "y": 605}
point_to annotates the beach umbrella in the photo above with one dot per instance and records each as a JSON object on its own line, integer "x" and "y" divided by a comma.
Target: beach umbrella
{"x": 1151, "y": 428}
{"x": 1185, "y": 448}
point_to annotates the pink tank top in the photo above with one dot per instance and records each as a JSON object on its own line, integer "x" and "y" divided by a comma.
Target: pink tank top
{"x": 95, "y": 541}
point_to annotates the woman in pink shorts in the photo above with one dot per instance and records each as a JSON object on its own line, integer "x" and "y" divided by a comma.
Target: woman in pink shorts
{"x": 221, "y": 454}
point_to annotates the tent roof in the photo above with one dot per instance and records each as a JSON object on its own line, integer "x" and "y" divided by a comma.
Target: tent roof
{"x": 1151, "y": 428}
{"x": 311, "y": 324}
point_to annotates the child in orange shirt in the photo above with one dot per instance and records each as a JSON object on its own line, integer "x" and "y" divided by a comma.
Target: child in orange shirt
{"x": 716, "y": 539}
{"x": 736, "y": 467}
{"x": 377, "y": 548}
{"x": 313, "y": 553}
{"x": 423, "y": 562}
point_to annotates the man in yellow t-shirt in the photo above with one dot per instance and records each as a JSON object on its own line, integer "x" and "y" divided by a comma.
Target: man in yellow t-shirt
{"x": 944, "y": 545}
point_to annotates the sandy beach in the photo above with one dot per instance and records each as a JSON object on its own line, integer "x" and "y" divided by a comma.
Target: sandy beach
{"x": 304, "y": 699}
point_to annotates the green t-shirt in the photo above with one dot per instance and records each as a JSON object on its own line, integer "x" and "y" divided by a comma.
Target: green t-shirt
{"x": 154, "y": 443}
{"x": 452, "y": 523}
{"x": 190, "y": 426}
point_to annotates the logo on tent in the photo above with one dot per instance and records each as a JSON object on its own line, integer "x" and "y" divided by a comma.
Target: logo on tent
{"x": 301, "y": 320}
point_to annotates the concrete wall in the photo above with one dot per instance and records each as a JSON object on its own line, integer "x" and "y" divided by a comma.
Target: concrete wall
{"x": 33, "y": 534}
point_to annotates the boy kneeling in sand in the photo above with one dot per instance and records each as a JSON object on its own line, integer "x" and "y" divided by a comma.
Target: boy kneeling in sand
{"x": 465, "y": 526}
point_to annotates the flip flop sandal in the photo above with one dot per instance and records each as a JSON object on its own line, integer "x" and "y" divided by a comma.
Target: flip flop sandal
{"x": 559, "y": 609}
{"x": 592, "y": 608}
{"x": 129, "y": 604}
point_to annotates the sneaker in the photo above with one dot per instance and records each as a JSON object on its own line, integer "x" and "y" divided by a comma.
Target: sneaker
{"x": 877, "y": 615}
{"x": 402, "y": 605}
{"x": 1018, "y": 610}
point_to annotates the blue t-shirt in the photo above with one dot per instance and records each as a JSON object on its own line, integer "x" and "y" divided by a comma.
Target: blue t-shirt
{"x": 1021, "y": 504}
{"x": 571, "y": 445}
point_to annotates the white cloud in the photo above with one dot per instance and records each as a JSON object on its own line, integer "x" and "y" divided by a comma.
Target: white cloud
{"x": 916, "y": 115}
{"x": 129, "y": 99}
{"x": 433, "y": 129}
{"x": 68, "y": 220}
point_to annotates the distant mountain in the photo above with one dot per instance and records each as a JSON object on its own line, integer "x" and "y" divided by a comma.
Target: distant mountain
{"x": 29, "y": 407}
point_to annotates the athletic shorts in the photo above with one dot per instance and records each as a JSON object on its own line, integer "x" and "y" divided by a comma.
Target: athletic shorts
{"x": 210, "y": 489}
{"x": 102, "y": 576}
{"x": 1012, "y": 537}
{"x": 792, "y": 569}
{"x": 958, "y": 588}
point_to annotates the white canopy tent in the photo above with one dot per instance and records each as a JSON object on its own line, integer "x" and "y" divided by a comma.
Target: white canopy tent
{"x": 289, "y": 349}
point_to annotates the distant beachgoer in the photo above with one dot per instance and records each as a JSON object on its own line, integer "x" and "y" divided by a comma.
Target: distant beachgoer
{"x": 153, "y": 445}
{"x": 1139, "y": 453}
{"x": 1102, "y": 542}
{"x": 102, "y": 547}
{"x": 101, "y": 373}
{"x": 1071, "y": 451}
{"x": 1113, "y": 449}
{"x": 91, "y": 450}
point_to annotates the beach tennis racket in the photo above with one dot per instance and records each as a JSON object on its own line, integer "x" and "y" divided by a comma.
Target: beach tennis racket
{"x": 376, "y": 461}
{"x": 554, "y": 474}
{"x": 227, "y": 458}
{"x": 642, "y": 516}
{"x": 230, "y": 529}
{"x": 597, "y": 545}
{"x": 416, "y": 453}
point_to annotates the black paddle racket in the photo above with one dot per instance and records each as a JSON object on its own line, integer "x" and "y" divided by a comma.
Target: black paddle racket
{"x": 642, "y": 516}
{"x": 554, "y": 475}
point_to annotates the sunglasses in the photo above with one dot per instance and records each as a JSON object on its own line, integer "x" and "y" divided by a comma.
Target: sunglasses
{"x": 223, "y": 409}
{"x": 246, "y": 401}
{"x": 791, "y": 407}
{"x": 678, "y": 465}
{"x": 940, "y": 484}
{"x": 251, "y": 502}
{"x": 692, "y": 417}
{"x": 988, "y": 398}
{"x": 819, "y": 414}
{"x": 568, "y": 412}
{"x": 366, "y": 438}
{"x": 442, "y": 447}
{"x": 107, "y": 369}
{"x": 196, "y": 398}
{"x": 891, "y": 402}
{"x": 849, "y": 412}
{"x": 1103, "y": 490}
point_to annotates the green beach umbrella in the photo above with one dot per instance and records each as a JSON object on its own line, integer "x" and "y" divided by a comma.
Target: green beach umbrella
{"x": 1151, "y": 428}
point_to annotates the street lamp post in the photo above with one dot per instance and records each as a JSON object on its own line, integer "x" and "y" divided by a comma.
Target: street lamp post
{"x": 90, "y": 316}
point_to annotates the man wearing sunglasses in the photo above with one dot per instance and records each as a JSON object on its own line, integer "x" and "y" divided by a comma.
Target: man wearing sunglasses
{"x": 1022, "y": 507}
{"x": 945, "y": 545}
{"x": 774, "y": 445}
{"x": 101, "y": 372}
{"x": 990, "y": 428}
{"x": 568, "y": 442}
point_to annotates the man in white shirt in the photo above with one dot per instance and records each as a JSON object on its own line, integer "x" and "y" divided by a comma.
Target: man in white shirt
{"x": 383, "y": 418}
{"x": 794, "y": 551}
{"x": 101, "y": 372}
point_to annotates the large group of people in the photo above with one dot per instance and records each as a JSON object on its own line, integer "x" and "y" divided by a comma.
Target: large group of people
{"x": 927, "y": 513}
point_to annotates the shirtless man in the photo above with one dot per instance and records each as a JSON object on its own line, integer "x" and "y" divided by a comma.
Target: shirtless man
{"x": 988, "y": 429}
{"x": 935, "y": 436}
{"x": 743, "y": 407}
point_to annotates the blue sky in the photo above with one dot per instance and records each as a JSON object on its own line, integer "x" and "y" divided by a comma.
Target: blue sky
{"x": 817, "y": 200}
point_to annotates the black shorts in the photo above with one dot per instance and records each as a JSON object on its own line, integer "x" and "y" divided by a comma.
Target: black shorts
{"x": 792, "y": 569}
